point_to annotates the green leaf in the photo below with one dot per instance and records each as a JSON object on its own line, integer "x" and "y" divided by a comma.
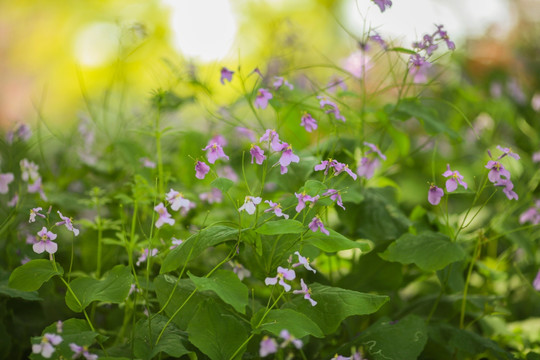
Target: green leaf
{"x": 283, "y": 226}
{"x": 196, "y": 244}
{"x": 227, "y": 286}
{"x": 335, "y": 305}
{"x": 298, "y": 324}
{"x": 222, "y": 184}
{"x": 172, "y": 342}
{"x": 30, "y": 276}
{"x": 113, "y": 288}
{"x": 429, "y": 251}
{"x": 314, "y": 187}
{"x": 216, "y": 334}
{"x": 335, "y": 242}
{"x": 14, "y": 293}
{"x": 402, "y": 50}
{"x": 404, "y": 339}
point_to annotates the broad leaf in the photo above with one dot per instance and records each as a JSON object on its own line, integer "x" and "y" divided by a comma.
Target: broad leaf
{"x": 171, "y": 342}
{"x": 283, "y": 226}
{"x": 335, "y": 242}
{"x": 216, "y": 334}
{"x": 113, "y": 288}
{"x": 222, "y": 184}
{"x": 335, "y": 305}
{"x": 196, "y": 244}
{"x": 30, "y": 276}
{"x": 14, "y": 293}
{"x": 298, "y": 324}
{"x": 227, "y": 286}
{"x": 430, "y": 251}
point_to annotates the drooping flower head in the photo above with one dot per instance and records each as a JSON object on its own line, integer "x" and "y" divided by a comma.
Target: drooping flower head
{"x": 177, "y": 200}
{"x": 46, "y": 346}
{"x": 303, "y": 198}
{"x": 282, "y": 273}
{"x": 303, "y": 261}
{"x": 257, "y": 153}
{"x": 335, "y": 196}
{"x": 508, "y": 187}
{"x": 382, "y": 4}
{"x": 215, "y": 151}
{"x": 249, "y": 204}
{"x": 306, "y": 291}
{"x": 435, "y": 194}
{"x": 68, "y": 222}
{"x": 308, "y": 122}
{"x": 5, "y": 180}
{"x": 226, "y": 74}
{"x": 276, "y": 208}
{"x": 317, "y": 224}
{"x": 164, "y": 216}
{"x": 263, "y": 95}
{"x": 279, "y": 81}
{"x": 201, "y": 169}
{"x": 455, "y": 179}
{"x": 268, "y": 346}
{"x": 45, "y": 242}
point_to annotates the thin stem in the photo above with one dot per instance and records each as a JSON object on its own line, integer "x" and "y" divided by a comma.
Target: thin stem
{"x": 476, "y": 254}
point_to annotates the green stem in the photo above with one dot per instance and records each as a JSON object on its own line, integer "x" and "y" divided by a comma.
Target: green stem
{"x": 476, "y": 254}
{"x": 158, "y": 151}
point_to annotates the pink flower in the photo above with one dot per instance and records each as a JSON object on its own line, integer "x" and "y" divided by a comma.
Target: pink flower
{"x": 280, "y": 81}
{"x": 287, "y": 155}
{"x": 367, "y": 167}
{"x": 5, "y": 180}
{"x": 144, "y": 255}
{"x": 164, "y": 216}
{"x": 263, "y": 96}
{"x": 276, "y": 208}
{"x": 218, "y": 139}
{"x": 508, "y": 186}
{"x": 268, "y": 346}
{"x": 435, "y": 194}
{"x": 177, "y": 200}
{"x": 213, "y": 196}
{"x": 334, "y": 82}
{"x": 249, "y": 204}
{"x": 240, "y": 270}
{"x": 81, "y": 350}
{"x": 531, "y": 215}
{"x": 496, "y": 171}
{"x": 285, "y": 335}
{"x": 175, "y": 243}
{"x": 227, "y": 172}
{"x": 215, "y": 151}
{"x": 418, "y": 68}
{"x": 67, "y": 221}
{"x": 536, "y": 282}
{"x": 324, "y": 101}
{"x": 226, "y": 74}
{"x": 317, "y": 224}
{"x": 201, "y": 169}
{"x": 455, "y": 179}
{"x": 33, "y": 213}
{"x": 29, "y": 170}
{"x": 303, "y": 198}
{"x": 303, "y": 261}
{"x": 382, "y": 4}
{"x": 273, "y": 138}
{"x": 147, "y": 163}
{"x": 45, "y": 243}
{"x": 257, "y": 153}
{"x": 247, "y": 133}
{"x": 306, "y": 291}
{"x": 507, "y": 151}
{"x": 308, "y": 122}
{"x": 282, "y": 274}
{"x": 358, "y": 63}
{"x": 335, "y": 196}
{"x": 45, "y": 347}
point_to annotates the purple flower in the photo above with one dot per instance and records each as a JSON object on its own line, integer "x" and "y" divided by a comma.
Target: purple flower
{"x": 508, "y": 186}
{"x": 215, "y": 151}
{"x": 455, "y": 179}
{"x": 68, "y": 222}
{"x": 333, "y": 108}
{"x": 340, "y": 167}
{"x": 507, "y": 151}
{"x": 263, "y": 96}
{"x": 379, "y": 40}
{"x": 218, "y": 139}
{"x": 249, "y": 204}
{"x": 435, "y": 194}
{"x": 531, "y": 215}
{"x": 144, "y": 255}
{"x": 444, "y": 36}
{"x": 227, "y": 172}
{"x": 374, "y": 149}
{"x": 285, "y": 335}
{"x": 276, "y": 208}
{"x": 175, "y": 243}
{"x": 33, "y": 213}
{"x": 358, "y": 63}
{"x": 282, "y": 274}
{"x": 303, "y": 198}
{"x": 177, "y": 200}
{"x": 280, "y": 81}
{"x": 147, "y": 163}
{"x": 257, "y": 153}
{"x": 29, "y": 170}
{"x": 213, "y": 196}
{"x": 273, "y": 138}
{"x": 44, "y": 242}
{"x": 45, "y": 347}
{"x": 536, "y": 282}
{"x": 247, "y": 133}
{"x": 306, "y": 291}
{"x": 201, "y": 169}
{"x": 382, "y": 4}
{"x": 308, "y": 122}
{"x": 418, "y": 68}
{"x": 303, "y": 261}
{"x": 335, "y": 196}
{"x": 536, "y": 157}
{"x": 226, "y": 74}
{"x": 316, "y": 224}
{"x": 367, "y": 167}
{"x": 36, "y": 187}
{"x": 287, "y": 156}
{"x": 81, "y": 350}
{"x": 336, "y": 81}
{"x": 5, "y": 180}
{"x": 268, "y": 346}
{"x": 240, "y": 270}
{"x": 496, "y": 171}
{"x": 164, "y": 216}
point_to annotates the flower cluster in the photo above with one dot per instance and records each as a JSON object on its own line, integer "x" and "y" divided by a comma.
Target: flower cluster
{"x": 46, "y": 346}
{"x": 368, "y": 164}
{"x": 436, "y": 193}
{"x": 336, "y": 166}
{"x": 500, "y": 176}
